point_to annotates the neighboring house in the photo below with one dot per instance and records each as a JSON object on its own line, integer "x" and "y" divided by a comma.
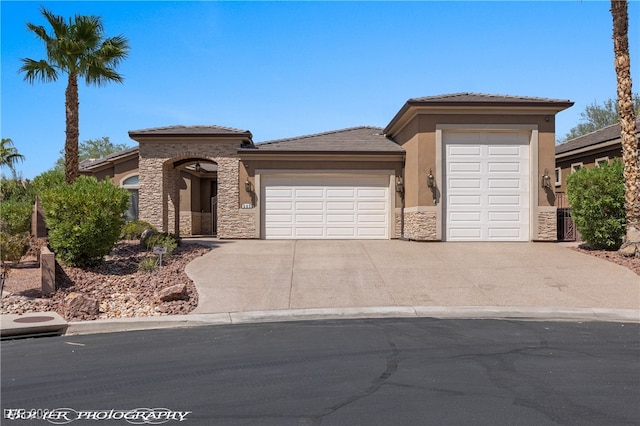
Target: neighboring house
{"x": 589, "y": 151}
{"x": 459, "y": 167}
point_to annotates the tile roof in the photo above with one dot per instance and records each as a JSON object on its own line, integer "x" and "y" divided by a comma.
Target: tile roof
{"x": 606, "y": 134}
{"x": 354, "y": 139}
{"x": 94, "y": 162}
{"x": 190, "y": 131}
{"x": 484, "y": 98}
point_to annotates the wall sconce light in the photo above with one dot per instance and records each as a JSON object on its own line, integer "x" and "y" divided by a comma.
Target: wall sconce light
{"x": 546, "y": 179}
{"x": 431, "y": 181}
{"x": 248, "y": 187}
{"x": 399, "y": 185}
{"x": 198, "y": 168}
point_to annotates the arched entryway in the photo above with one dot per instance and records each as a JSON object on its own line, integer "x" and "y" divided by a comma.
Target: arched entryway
{"x": 197, "y": 187}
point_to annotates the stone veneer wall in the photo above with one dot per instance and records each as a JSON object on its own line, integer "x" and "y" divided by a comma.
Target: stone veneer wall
{"x": 420, "y": 226}
{"x": 398, "y": 225}
{"x": 159, "y": 189}
{"x": 547, "y": 226}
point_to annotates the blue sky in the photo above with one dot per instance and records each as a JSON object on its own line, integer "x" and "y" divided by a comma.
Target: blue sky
{"x": 283, "y": 69}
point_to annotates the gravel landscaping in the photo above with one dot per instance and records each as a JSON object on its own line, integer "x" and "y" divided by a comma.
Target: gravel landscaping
{"x": 119, "y": 287}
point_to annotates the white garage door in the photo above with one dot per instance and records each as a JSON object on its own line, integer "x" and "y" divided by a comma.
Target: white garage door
{"x": 299, "y": 207}
{"x": 487, "y": 186}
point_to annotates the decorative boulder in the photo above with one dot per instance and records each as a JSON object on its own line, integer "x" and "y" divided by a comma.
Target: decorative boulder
{"x": 170, "y": 294}
{"x": 81, "y": 306}
{"x": 146, "y": 234}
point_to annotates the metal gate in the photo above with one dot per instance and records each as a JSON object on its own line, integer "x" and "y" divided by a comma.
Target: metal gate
{"x": 565, "y": 225}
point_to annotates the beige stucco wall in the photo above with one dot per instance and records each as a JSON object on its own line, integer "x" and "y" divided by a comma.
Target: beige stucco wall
{"x": 418, "y": 137}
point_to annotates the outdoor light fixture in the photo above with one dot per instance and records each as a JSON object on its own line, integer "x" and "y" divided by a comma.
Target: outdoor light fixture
{"x": 247, "y": 186}
{"x": 399, "y": 185}
{"x": 431, "y": 182}
{"x": 198, "y": 167}
{"x": 546, "y": 179}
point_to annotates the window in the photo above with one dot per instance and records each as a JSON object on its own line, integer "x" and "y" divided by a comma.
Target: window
{"x": 576, "y": 166}
{"x": 558, "y": 176}
{"x": 131, "y": 184}
{"x": 602, "y": 160}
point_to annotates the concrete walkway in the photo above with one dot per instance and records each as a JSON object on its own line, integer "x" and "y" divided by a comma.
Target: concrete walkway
{"x": 252, "y": 275}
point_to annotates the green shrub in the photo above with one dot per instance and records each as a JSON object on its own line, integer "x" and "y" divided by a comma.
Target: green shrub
{"x": 47, "y": 180}
{"x": 597, "y": 204}
{"x": 13, "y": 247}
{"x": 84, "y": 219}
{"x": 164, "y": 239}
{"x": 148, "y": 264}
{"x": 133, "y": 230}
{"x": 15, "y": 216}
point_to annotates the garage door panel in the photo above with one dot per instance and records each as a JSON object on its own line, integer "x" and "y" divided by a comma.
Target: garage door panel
{"x": 309, "y": 218}
{"x": 279, "y": 192}
{"x": 378, "y": 206}
{"x": 341, "y": 218}
{"x": 377, "y": 193}
{"x": 465, "y": 200}
{"x": 326, "y": 207}
{"x": 309, "y": 205}
{"x": 486, "y": 198}
{"x": 309, "y": 193}
{"x": 508, "y": 150}
{"x": 504, "y": 183}
{"x": 465, "y": 167}
{"x": 504, "y": 200}
{"x": 340, "y": 205}
{"x": 465, "y": 183}
{"x": 466, "y": 150}
{"x": 504, "y": 167}
{"x": 504, "y": 216}
{"x": 465, "y": 234}
{"x": 462, "y": 216}
{"x": 308, "y": 232}
{"x": 341, "y": 192}
{"x": 340, "y": 232}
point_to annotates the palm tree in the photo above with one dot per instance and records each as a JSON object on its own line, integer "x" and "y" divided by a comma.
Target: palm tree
{"x": 9, "y": 155}
{"x": 620, "y": 15}
{"x": 79, "y": 49}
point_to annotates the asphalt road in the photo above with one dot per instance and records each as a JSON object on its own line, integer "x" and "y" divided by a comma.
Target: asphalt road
{"x": 356, "y": 372}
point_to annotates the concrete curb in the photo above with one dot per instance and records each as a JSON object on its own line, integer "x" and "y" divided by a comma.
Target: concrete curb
{"x": 438, "y": 312}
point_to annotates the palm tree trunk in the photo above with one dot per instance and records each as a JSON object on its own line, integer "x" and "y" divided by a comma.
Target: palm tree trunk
{"x": 622, "y": 63}
{"x": 72, "y": 131}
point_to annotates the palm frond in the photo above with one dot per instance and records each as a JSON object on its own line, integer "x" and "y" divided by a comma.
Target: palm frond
{"x": 38, "y": 71}
{"x": 59, "y": 27}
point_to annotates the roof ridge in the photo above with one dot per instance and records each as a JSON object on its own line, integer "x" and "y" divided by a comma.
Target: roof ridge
{"x": 482, "y": 94}
{"x": 330, "y": 132}
{"x": 193, "y": 126}
{"x": 596, "y": 131}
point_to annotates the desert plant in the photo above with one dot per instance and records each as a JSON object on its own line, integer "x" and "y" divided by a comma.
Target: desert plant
{"x": 15, "y": 216}
{"x": 84, "y": 219}
{"x": 13, "y": 247}
{"x": 597, "y": 204}
{"x": 133, "y": 230}
{"x": 163, "y": 239}
{"x": 148, "y": 264}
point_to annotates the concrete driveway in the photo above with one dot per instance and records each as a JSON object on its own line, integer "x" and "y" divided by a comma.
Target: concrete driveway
{"x": 255, "y": 275}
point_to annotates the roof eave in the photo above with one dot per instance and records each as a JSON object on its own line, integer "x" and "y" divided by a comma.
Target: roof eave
{"x": 415, "y": 106}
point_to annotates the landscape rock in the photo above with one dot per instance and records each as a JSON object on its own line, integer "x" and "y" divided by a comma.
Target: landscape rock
{"x": 172, "y": 293}
{"x": 79, "y": 305}
{"x": 122, "y": 290}
{"x": 146, "y": 234}
{"x": 629, "y": 250}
